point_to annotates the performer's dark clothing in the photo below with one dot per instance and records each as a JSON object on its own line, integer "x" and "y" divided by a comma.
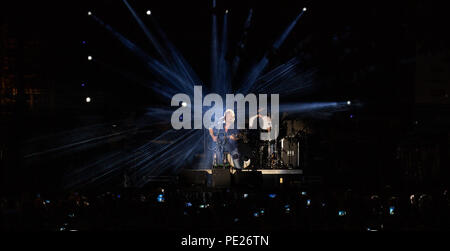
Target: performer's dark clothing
{"x": 225, "y": 144}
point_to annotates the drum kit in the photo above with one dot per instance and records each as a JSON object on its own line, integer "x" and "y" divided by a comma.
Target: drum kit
{"x": 281, "y": 153}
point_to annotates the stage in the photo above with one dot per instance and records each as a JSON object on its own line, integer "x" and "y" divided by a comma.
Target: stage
{"x": 262, "y": 171}
{"x": 259, "y": 178}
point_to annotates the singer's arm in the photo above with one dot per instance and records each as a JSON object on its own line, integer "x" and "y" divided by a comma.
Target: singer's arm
{"x": 211, "y": 133}
{"x": 233, "y": 137}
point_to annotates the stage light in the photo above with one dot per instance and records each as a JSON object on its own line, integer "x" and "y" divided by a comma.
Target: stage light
{"x": 148, "y": 12}
{"x": 226, "y": 12}
{"x": 89, "y": 58}
{"x": 83, "y": 84}
{"x": 349, "y": 102}
{"x": 88, "y": 99}
{"x": 304, "y": 9}
{"x": 89, "y": 13}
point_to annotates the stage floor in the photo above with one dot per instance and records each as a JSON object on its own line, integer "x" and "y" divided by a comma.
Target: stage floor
{"x": 263, "y": 171}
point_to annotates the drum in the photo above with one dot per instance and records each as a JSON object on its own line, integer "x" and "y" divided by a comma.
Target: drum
{"x": 246, "y": 153}
{"x": 245, "y": 163}
{"x": 290, "y": 150}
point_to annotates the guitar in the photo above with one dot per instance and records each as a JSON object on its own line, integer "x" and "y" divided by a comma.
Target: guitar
{"x": 222, "y": 138}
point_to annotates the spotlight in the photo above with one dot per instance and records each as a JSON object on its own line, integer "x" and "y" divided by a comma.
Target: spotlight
{"x": 226, "y": 11}
{"x": 89, "y": 58}
{"x": 89, "y": 13}
{"x": 304, "y": 9}
{"x": 148, "y": 12}
{"x": 88, "y": 99}
{"x": 349, "y": 102}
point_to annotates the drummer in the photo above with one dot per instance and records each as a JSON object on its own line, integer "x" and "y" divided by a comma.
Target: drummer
{"x": 265, "y": 125}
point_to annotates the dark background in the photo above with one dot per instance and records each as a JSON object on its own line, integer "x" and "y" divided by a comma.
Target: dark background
{"x": 393, "y": 57}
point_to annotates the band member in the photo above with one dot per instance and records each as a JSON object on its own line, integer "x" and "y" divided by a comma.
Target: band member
{"x": 265, "y": 126}
{"x": 226, "y": 139}
{"x": 266, "y": 123}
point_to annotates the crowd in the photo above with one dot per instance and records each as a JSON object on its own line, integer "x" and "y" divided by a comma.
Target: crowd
{"x": 176, "y": 208}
